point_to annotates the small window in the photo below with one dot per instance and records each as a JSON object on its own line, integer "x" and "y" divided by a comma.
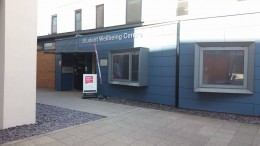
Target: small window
{"x": 49, "y": 46}
{"x": 78, "y": 20}
{"x": 39, "y": 46}
{"x": 129, "y": 67}
{"x": 100, "y": 16}
{"x": 133, "y": 11}
{"x": 54, "y": 24}
{"x": 182, "y": 8}
{"x": 224, "y": 67}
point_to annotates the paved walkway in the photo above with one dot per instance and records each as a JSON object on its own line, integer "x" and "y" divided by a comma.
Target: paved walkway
{"x": 128, "y": 125}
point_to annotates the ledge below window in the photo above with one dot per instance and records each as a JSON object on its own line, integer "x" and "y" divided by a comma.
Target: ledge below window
{"x": 219, "y": 90}
{"x": 135, "y": 84}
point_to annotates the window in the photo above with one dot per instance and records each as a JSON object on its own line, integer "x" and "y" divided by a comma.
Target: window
{"x": 49, "y": 46}
{"x": 133, "y": 11}
{"x": 54, "y": 24}
{"x": 78, "y": 20}
{"x": 129, "y": 67}
{"x": 100, "y": 16}
{"x": 39, "y": 46}
{"x": 224, "y": 67}
{"x": 182, "y": 8}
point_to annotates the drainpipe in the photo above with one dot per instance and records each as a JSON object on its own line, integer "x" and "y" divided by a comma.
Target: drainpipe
{"x": 177, "y": 66}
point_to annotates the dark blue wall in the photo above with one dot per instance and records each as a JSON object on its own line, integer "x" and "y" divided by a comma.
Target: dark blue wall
{"x": 220, "y": 102}
{"x": 57, "y": 72}
{"x": 161, "y": 41}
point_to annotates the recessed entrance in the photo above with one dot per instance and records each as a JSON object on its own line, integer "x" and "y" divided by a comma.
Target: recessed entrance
{"x": 74, "y": 65}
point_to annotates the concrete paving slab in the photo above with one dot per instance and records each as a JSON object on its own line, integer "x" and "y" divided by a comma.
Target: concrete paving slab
{"x": 129, "y": 125}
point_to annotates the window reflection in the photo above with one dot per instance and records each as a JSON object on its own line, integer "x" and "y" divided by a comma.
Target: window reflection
{"x": 121, "y": 66}
{"x": 223, "y": 67}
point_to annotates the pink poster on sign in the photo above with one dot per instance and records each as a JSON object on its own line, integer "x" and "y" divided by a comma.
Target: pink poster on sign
{"x": 88, "y": 79}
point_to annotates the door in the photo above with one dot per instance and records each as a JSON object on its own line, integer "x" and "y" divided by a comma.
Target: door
{"x": 79, "y": 70}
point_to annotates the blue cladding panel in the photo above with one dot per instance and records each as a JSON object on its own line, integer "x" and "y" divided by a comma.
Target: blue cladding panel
{"x": 67, "y": 82}
{"x": 186, "y": 93}
{"x": 257, "y": 86}
{"x": 257, "y": 48}
{"x": 156, "y": 52}
{"x": 257, "y": 72}
{"x": 155, "y": 90}
{"x": 168, "y": 71}
{"x": 186, "y": 60}
{"x": 170, "y": 91}
{"x": 57, "y": 83}
{"x": 187, "y": 48}
{"x": 162, "y": 61}
{"x": 57, "y": 73}
{"x": 155, "y": 71}
{"x": 186, "y": 71}
{"x": 186, "y": 82}
{"x": 169, "y": 51}
{"x": 257, "y": 60}
{"x": 161, "y": 81}
{"x": 242, "y": 98}
{"x": 168, "y": 100}
{"x": 257, "y": 110}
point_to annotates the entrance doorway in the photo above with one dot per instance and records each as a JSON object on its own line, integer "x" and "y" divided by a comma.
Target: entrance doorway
{"x": 74, "y": 65}
{"x": 79, "y": 70}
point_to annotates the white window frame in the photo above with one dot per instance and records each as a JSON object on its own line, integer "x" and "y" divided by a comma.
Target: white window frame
{"x": 246, "y": 88}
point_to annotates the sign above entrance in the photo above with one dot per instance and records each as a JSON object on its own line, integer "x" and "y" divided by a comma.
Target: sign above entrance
{"x": 108, "y": 37}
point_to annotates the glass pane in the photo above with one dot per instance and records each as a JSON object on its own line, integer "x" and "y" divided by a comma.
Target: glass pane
{"x": 135, "y": 66}
{"x": 121, "y": 66}
{"x": 78, "y": 25}
{"x": 54, "y": 29}
{"x": 54, "y": 20}
{"x": 54, "y": 24}
{"x": 133, "y": 11}
{"x": 78, "y": 16}
{"x": 223, "y": 67}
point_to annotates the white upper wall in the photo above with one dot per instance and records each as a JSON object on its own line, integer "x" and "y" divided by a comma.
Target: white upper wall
{"x": 222, "y": 29}
{"x": 115, "y": 12}
{"x": 2, "y": 59}
{"x": 209, "y": 8}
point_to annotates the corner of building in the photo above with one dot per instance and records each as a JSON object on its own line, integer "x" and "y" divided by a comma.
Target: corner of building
{"x": 18, "y": 42}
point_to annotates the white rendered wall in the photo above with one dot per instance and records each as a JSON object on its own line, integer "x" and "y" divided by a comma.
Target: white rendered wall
{"x": 114, "y": 13}
{"x": 2, "y": 58}
{"x": 222, "y": 29}
{"x": 18, "y": 62}
{"x": 212, "y": 8}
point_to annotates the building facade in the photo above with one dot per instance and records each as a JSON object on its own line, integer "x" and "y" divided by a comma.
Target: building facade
{"x": 189, "y": 55}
